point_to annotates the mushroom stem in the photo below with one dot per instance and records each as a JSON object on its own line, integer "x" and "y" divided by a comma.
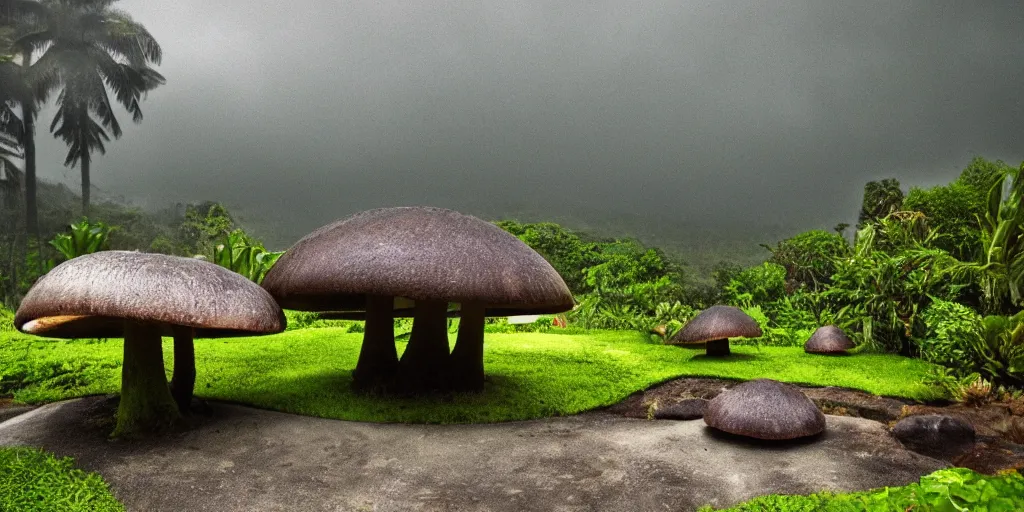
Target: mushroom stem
{"x": 378, "y": 359}
{"x": 467, "y": 360}
{"x": 183, "y": 381}
{"x": 718, "y": 347}
{"x": 146, "y": 402}
{"x": 424, "y": 363}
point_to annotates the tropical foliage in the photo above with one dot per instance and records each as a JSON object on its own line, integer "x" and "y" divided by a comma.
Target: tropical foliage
{"x": 243, "y": 254}
{"x": 85, "y": 238}
{"x": 86, "y": 48}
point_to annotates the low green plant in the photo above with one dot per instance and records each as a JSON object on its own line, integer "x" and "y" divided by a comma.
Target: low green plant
{"x": 950, "y": 381}
{"x": 999, "y": 350}
{"x": 241, "y": 253}
{"x": 952, "y": 490}
{"x": 85, "y": 237}
{"x": 33, "y": 480}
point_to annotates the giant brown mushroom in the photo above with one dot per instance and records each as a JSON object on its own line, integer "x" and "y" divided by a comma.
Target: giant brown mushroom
{"x": 433, "y": 257}
{"x": 140, "y": 297}
{"x": 714, "y": 326}
{"x": 828, "y": 339}
{"x": 765, "y": 409}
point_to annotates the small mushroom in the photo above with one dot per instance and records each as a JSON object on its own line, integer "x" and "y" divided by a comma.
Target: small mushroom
{"x": 432, "y": 257}
{"x": 765, "y": 409}
{"x": 828, "y": 339}
{"x": 714, "y": 326}
{"x": 141, "y": 297}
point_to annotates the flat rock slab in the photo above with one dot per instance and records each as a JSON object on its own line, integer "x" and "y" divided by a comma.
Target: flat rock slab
{"x": 242, "y": 459}
{"x": 9, "y": 412}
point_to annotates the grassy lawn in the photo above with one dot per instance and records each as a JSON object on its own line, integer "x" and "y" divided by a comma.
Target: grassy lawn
{"x": 33, "y": 480}
{"x": 307, "y": 371}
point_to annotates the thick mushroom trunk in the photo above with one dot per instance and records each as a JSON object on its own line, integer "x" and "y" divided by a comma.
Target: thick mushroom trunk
{"x": 718, "y": 347}
{"x": 378, "y": 359}
{"x": 424, "y": 364}
{"x": 146, "y": 403}
{"x": 467, "y": 360}
{"x": 183, "y": 380}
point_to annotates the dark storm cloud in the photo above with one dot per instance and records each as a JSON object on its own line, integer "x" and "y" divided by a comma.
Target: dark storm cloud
{"x": 680, "y": 114}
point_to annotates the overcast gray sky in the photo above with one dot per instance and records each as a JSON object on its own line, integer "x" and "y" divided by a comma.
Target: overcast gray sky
{"x": 681, "y": 113}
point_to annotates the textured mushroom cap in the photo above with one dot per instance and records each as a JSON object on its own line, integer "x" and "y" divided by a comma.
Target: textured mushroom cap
{"x": 420, "y": 253}
{"x": 765, "y": 409}
{"x": 828, "y": 339}
{"x": 91, "y": 296}
{"x": 715, "y": 323}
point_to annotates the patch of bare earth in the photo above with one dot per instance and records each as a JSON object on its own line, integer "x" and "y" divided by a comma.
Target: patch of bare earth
{"x": 997, "y": 447}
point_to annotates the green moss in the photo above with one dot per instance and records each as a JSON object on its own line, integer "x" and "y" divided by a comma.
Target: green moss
{"x": 952, "y": 490}
{"x": 33, "y": 480}
{"x": 530, "y": 375}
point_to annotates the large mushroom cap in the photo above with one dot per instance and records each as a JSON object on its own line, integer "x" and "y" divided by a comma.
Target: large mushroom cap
{"x": 828, "y": 339}
{"x": 419, "y": 253}
{"x": 765, "y": 409}
{"x": 715, "y": 323}
{"x": 91, "y": 296}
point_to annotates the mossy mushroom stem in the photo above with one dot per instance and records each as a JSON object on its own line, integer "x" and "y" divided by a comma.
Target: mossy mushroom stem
{"x": 378, "y": 359}
{"x": 424, "y": 364}
{"x": 183, "y": 380}
{"x": 146, "y": 402}
{"x": 718, "y": 348}
{"x": 467, "y": 360}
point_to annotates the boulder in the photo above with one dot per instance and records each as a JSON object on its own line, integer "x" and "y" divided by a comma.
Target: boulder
{"x": 935, "y": 435}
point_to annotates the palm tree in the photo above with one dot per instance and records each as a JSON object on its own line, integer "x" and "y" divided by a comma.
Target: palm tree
{"x": 90, "y": 47}
{"x": 16, "y": 133}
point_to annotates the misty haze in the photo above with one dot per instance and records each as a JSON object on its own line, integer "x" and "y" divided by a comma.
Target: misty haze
{"x": 677, "y": 118}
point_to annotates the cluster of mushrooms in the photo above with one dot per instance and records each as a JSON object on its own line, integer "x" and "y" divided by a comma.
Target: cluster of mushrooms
{"x": 761, "y": 408}
{"x": 428, "y": 263}
{"x": 714, "y": 326}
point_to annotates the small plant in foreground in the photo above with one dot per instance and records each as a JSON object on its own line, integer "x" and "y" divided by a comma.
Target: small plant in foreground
{"x": 954, "y": 489}
{"x": 652, "y": 407}
{"x": 976, "y": 393}
{"x": 31, "y": 479}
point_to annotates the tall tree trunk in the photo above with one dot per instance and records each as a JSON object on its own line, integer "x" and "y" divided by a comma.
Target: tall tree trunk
{"x": 85, "y": 184}
{"x": 28, "y": 114}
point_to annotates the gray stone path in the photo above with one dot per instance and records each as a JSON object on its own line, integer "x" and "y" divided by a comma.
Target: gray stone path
{"x": 243, "y": 459}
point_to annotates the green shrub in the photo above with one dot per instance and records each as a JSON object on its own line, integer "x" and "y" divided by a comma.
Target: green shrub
{"x": 998, "y": 353}
{"x": 953, "y": 490}
{"x": 757, "y": 285}
{"x": 809, "y": 258}
{"x": 950, "y": 328}
{"x": 312, "y": 320}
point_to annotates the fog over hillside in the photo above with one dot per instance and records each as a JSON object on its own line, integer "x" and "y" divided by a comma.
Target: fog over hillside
{"x": 688, "y": 121}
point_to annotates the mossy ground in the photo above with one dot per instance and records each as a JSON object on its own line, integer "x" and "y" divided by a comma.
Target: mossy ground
{"x": 33, "y": 480}
{"x": 954, "y": 489}
{"x": 530, "y": 375}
